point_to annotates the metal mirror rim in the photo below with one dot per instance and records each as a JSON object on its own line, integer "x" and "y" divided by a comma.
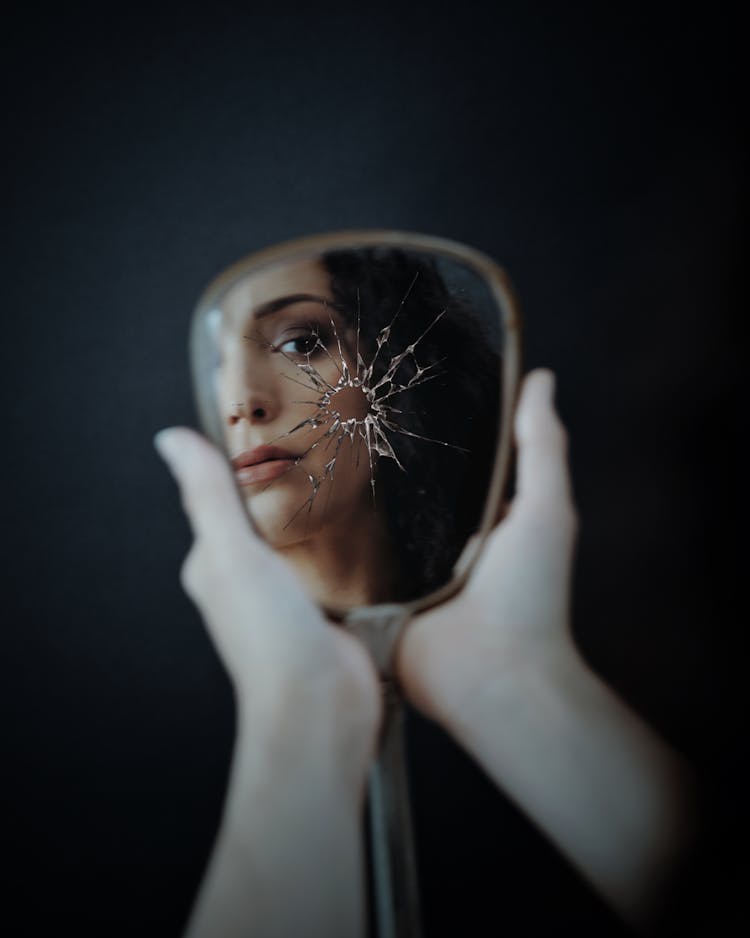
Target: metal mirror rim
{"x": 504, "y": 295}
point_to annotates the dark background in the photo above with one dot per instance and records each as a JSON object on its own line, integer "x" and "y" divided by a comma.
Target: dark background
{"x": 596, "y": 154}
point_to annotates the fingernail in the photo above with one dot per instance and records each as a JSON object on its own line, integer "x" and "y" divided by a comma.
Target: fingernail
{"x": 166, "y": 445}
{"x": 547, "y": 379}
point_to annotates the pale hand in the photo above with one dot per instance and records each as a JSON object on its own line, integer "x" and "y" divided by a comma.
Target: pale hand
{"x": 515, "y": 608}
{"x": 497, "y": 667}
{"x": 284, "y": 659}
{"x": 288, "y": 856}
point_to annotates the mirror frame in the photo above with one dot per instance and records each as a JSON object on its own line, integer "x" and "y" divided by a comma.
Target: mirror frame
{"x": 503, "y": 294}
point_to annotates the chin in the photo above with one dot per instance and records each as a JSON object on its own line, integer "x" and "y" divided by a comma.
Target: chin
{"x": 274, "y": 518}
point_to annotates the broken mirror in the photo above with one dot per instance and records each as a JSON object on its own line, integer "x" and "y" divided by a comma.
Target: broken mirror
{"x": 361, "y": 384}
{"x": 356, "y": 384}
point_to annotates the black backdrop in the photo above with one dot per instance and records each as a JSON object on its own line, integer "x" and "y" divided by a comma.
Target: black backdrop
{"x": 596, "y": 154}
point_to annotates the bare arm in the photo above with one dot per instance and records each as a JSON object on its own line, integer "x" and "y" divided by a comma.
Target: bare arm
{"x": 287, "y": 860}
{"x": 498, "y": 668}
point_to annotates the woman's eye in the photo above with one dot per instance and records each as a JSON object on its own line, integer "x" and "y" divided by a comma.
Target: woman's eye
{"x": 300, "y": 345}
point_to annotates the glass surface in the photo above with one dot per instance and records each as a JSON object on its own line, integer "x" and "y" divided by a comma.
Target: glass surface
{"x": 356, "y": 383}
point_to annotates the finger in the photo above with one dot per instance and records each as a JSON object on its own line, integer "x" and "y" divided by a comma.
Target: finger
{"x": 543, "y": 476}
{"x": 208, "y": 492}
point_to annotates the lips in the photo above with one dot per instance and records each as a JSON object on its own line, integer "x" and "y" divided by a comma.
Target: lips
{"x": 262, "y": 464}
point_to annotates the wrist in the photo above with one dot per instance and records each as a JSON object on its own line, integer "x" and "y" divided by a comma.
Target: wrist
{"x": 507, "y": 674}
{"x": 318, "y": 735}
{"x": 545, "y": 675}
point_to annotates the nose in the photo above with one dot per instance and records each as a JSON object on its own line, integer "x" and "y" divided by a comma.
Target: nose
{"x": 253, "y": 410}
{"x": 249, "y": 388}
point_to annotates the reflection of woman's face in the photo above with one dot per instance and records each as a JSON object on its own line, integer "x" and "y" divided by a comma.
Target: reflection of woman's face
{"x": 272, "y": 323}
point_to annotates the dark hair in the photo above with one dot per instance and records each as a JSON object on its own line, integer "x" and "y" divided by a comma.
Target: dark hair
{"x": 435, "y": 505}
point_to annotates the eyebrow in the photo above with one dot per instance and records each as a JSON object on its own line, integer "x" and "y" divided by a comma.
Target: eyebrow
{"x": 273, "y": 306}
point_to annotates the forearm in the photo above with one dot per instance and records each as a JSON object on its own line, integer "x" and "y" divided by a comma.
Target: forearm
{"x": 287, "y": 860}
{"x": 588, "y": 771}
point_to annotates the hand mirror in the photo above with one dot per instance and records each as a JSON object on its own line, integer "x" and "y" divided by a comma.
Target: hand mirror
{"x": 362, "y": 386}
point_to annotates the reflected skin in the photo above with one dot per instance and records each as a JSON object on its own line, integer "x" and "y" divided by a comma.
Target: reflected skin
{"x": 274, "y": 322}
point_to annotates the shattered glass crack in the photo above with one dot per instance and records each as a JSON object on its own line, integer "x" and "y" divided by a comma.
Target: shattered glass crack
{"x": 375, "y": 430}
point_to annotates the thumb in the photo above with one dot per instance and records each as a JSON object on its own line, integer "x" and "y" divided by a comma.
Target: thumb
{"x": 209, "y": 496}
{"x": 543, "y": 478}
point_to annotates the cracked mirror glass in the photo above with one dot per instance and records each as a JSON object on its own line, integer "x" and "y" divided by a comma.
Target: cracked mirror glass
{"x": 357, "y": 393}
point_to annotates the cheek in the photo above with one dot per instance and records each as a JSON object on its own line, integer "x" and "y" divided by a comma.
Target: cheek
{"x": 353, "y": 474}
